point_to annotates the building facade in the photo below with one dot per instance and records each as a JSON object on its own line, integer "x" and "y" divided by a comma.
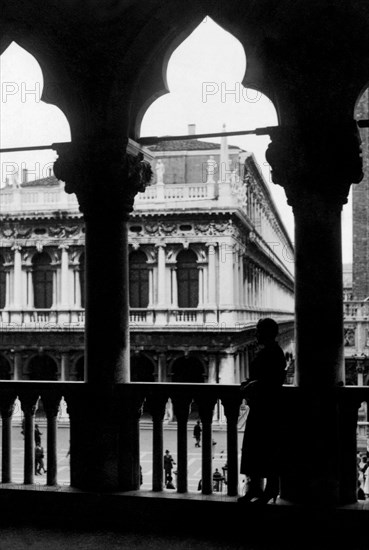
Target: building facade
{"x": 208, "y": 257}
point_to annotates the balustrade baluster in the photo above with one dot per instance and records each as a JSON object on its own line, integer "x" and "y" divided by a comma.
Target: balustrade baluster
{"x": 29, "y": 406}
{"x": 231, "y": 410}
{"x": 206, "y": 408}
{"x": 156, "y": 406}
{"x": 6, "y": 408}
{"x": 129, "y": 442}
{"x": 51, "y": 405}
{"x": 181, "y": 408}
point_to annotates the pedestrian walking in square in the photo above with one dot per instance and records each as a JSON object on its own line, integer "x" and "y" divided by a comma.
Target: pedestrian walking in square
{"x": 197, "y": 433}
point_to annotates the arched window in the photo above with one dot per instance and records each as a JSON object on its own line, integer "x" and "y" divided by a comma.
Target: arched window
{"x": 188, "y": 279}
{"x": 82, "y": 278}
{"x": 42, "y": 281}
{"x": 138, "y": 280}
{"x": 2, "y": 283}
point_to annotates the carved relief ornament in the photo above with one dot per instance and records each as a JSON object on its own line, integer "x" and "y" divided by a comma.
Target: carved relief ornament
{"x": 103, "y": 176}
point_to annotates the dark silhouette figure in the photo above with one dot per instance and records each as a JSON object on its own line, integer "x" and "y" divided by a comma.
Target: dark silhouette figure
{"x": 260, "y": 450}
{"x": 38, "y": 435}
{"x": 360, "y": 492}
{"x": 217, "y": 480}
{"x": 169, "y": 483}
{"x": 168, "y": 466}
{"x": 197, "y": 433}
{"x": 39, "y": 460}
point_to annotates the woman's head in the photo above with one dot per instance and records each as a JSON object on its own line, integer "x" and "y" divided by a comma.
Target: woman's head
{"x": 266, "y": 330}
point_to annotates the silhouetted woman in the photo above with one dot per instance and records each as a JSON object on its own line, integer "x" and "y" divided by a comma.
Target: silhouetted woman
{"x": 260, "y": 449}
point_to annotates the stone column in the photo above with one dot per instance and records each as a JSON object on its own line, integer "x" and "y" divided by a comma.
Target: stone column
{"x": 151, "y": 286}
{"x": 30, "y": 295}
{"x": 162, "y": 367}
{"x": 77, "y": 287}
{"x": 241, "y": 291}
{"x": 226, "y": 277}
{"x": 201, "y": 285}
{"x": 64, "y": 277}
{"x": 51, "y": 402}
{"x": 212, "y": 377}
{"x": 105, "y": 179}
{"x": 212, "y": 281}
{"x": 7, "y": 289}
{"x": 161, "y": 276}
{"x": 162, "y": 305}
{"x": 64, "y": 367}
{"x": 18, "y": 369}
{"x": 226, "y": 369}
{"x": 17, "y": 290}
{"x": 173, "y": 271}
{"x": 307, "y": 163}
{"x": 6, "y": 410}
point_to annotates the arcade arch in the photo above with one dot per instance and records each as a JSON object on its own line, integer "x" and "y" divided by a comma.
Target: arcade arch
{"x": 42, "y": 367}
{"x": 188, "y": 369}
{"x": 142, "y": 368}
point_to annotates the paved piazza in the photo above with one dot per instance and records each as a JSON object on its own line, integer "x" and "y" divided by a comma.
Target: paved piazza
{"x": 170, "y": 442}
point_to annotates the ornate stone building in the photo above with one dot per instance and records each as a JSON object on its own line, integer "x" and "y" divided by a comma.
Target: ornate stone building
{"x": 208, "y": 256}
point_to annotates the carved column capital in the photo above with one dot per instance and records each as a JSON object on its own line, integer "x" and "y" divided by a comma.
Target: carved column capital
{"x": 29, "y": 402}
{"x": 103, "y": 175}
{"x": 316, "y": 162}
{"x": 51, "y": 402}
{"x": 7, "y": 405}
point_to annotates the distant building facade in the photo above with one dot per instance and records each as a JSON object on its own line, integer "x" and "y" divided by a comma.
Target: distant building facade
{"x": 209, "y": 256}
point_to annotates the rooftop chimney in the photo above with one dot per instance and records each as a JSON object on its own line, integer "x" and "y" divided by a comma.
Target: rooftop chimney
{"x": 24, "y": 175}
{"x": 191, "y": 129}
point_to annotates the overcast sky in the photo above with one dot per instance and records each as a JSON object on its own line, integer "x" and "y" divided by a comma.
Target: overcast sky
{"x": 204, "y": 78}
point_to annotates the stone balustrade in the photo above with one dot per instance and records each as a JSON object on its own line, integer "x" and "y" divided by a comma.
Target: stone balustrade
{"x": 59, "y": 319}
{"x": 129, "y": 399}
{"x": 356, "y": 309}
{"x": 36, "y": 199}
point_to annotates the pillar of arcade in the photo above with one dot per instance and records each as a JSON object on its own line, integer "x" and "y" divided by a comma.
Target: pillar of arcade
{"x": 105, "y": 179}
{"x": 316, "y": 167}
